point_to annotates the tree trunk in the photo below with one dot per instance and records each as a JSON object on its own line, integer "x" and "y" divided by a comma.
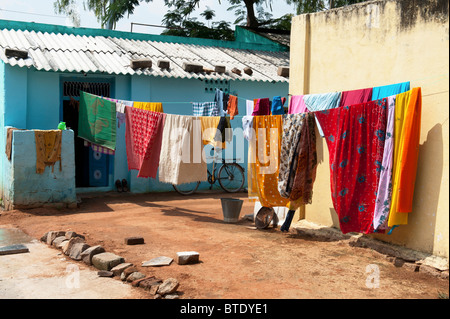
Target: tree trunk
{"x": 251, "y": 18}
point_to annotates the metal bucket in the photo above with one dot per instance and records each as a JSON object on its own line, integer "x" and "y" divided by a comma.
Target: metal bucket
{"x": 231, "y": 208}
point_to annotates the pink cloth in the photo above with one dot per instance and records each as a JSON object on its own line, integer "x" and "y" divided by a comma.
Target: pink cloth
{"x": 143, "y": 137}
{"x": 356, "y": 97}
{"x": 297, "y": 105}
{"x": 262, "y": 107}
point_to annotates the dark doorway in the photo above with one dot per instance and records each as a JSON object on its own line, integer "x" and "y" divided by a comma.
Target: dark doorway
{"x": 91, "y": 167}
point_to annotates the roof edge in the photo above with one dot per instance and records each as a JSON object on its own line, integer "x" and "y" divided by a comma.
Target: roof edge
{"x": 52, "y": 28}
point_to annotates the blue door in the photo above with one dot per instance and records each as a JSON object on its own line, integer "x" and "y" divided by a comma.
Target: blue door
{"x": 98, "y": 168}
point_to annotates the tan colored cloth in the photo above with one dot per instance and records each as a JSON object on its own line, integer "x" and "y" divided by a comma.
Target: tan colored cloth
{"x": 8, "y": 147}
{"x": 48, "y": 149}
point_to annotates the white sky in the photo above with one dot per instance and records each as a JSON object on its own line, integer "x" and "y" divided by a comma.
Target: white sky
{"x": 42, "y": 11}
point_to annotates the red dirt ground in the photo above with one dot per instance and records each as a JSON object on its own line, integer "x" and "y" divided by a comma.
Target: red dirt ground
{"x": 236, "y": 260}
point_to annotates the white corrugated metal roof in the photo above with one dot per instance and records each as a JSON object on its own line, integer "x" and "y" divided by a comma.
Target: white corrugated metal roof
{"x": 112, "y": 55}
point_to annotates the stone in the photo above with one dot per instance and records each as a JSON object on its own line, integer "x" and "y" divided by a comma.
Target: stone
{"x": 158, "y": 261}
{"x": 77, "y": 249}
{"x": 158, "y": 296}
{"x": 52, "y": 235}
{"x": 164, "y": 64}
{"x": 13, "y": 249}
{"x": 248, "y": 70}
{"x": 72, "y": 241}
{"x": 172, "y": 296}
{"x": 192, "y": 67}
{"x": 236, "y": 71}
{"x": 398, "y": 262}
{"x": 137, "y": 282}
{"x": 105, "y": 273}
{"x": 71, "y": 234}
{"x": 153, "y": 289}
{"x": 411, "y": 266}
{"x": 220, "y": 69}
{"x": 169, "y": 286}
{"x": 150, "y": 284}
{"x": 187, "y": 257}
{"x": 429, "y": 270}
{"x": 134, "y": 240}
{"x": 106, "y": 261}
{"x": 58, "y": 240}
{"x": 62, "y": 244}
{"x": 135, "y": 276}
{"x": 117, "y": 270}
{"x": 128, "y": 271}
{"x": 87, "y": 255}
{"x": 283, "y": 71}
{"x": 141, "y": 63}
{"x": 44, "y": 237}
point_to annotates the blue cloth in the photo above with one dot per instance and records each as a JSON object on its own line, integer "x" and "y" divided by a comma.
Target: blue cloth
{"x": 205, "y": 109}
{"x": 381, "y": 92}
{"x": 277, "y": 106}
{"x": 322, "y": 102}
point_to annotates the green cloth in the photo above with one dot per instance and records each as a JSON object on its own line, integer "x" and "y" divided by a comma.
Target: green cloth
{"x": 97, "y": 120}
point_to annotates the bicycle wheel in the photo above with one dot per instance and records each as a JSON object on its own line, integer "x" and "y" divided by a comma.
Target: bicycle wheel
{"x": 186, "y": 189}
{"x": 231, "y": 177}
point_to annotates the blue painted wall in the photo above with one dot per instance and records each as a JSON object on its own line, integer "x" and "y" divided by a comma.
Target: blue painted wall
{"x": 26, "y": 188}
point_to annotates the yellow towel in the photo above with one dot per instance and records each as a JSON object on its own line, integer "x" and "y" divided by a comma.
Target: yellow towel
{"x": 149, "y": 106}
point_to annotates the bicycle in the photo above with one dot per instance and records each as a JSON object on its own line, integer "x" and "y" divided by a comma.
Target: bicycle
{"x": 230, "y": 176}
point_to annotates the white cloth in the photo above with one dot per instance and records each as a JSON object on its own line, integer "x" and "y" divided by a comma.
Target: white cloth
{"x": 249, "y": 107}
{"x": 181, "y": 159}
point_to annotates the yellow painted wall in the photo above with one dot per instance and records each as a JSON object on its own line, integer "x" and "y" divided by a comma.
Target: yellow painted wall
{"x": 378, "y": 43}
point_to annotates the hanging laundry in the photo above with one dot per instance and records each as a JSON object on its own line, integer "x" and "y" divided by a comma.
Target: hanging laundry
{"x": 277, "y": 105}
{"x": 221, "y": 99}
{"x": 355, "y": 140}
{"x": 247, "y": 127}
{"x": 98, "y": 148}
{"x": 232, "y": 106}
{"x": 356, "y": 97}
{"x": 209, "y": 128}
{"x": 321, "y": 102}
{"x": 224, "y": 109}
{"x": 384, "y": 193}
{"x": 143, "y": 137}
{"x": 408, "y": 111}
{"x": 8, "y": 146}
{"x": 292, "y": 127}
{"x": 305, "y": 174}
{"x": 181, "y": 151}
{"x": 249, "y": 105}
{"x": 120, "y": 111}
{"x": 267, "y": 161}
{"x": 262, "y": 107}
{"x": 48, "y": 149}
{"x": 380, "y": 92}
{"x": 97, "y": 120}
{"x": 205, "y": 109}
{"x": 223, "y": 133}
{"x": 149, "y": 106}
{"x": 297, "y": 105}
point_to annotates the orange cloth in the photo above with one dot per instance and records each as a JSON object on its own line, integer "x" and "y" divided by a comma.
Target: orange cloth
{"x": 48, "y": 149}
{"x": 408, "y": 109}
{"x": 266, "y": 168}
{"x": 232, "y": 106}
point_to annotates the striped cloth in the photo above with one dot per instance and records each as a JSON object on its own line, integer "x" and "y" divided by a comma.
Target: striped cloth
{"x": 205, "y": 109}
